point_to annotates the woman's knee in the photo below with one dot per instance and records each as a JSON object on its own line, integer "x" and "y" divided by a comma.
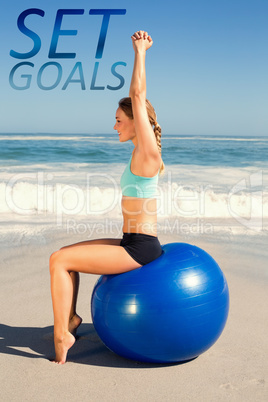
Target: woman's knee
{"x": 54, "y": 260}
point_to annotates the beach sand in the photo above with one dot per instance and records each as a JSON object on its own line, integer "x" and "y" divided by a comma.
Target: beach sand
{"x": 235, "y": 368}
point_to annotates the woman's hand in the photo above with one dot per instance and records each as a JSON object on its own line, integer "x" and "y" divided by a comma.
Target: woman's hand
{"x": 141, "y": 41}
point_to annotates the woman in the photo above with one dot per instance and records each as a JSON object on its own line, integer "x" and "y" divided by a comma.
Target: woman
{"x": 135, "y": 119}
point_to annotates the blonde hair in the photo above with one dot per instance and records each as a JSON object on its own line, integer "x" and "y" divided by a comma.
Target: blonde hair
{"x": 126, "y": 106}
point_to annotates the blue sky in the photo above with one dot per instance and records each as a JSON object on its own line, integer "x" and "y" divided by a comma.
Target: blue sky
{"x": 207, "y": 72}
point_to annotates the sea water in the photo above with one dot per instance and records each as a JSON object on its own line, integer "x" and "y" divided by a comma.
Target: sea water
{"x": 72, "y": 181}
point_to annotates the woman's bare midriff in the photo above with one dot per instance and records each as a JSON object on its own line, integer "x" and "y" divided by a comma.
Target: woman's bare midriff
{"x": 139, "y": 215}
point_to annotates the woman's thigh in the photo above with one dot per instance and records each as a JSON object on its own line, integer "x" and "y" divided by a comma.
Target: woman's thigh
{"x": 100, "y": 257}
{"x": 107, "y": 241}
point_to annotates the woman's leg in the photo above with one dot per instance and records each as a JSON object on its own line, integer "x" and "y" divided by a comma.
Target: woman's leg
{"x": 75, "y": 320}
{"x": 97, "y": 257}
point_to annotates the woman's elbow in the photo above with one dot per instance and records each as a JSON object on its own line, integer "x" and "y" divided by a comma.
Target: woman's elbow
{"x": 137, "y": 94}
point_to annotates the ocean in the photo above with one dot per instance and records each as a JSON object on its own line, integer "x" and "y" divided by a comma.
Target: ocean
{"x": 216, "y": 183}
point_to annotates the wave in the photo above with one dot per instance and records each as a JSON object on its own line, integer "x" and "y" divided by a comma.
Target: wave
{"x": 49, "y": 138}
{"x": 212, "y": 138}
{"x": 204, "y": 151}
{"x": 37, "y": 137}
{"x": 58, "y": 201}
{"x": 165, "y": 137}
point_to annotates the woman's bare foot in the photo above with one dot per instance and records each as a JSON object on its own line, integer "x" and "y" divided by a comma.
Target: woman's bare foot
{"x": 62, "y": 345}
{"x": 74, "y": 323}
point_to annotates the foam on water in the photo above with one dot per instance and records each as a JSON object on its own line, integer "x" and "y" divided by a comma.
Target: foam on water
{"x": 49, "y": 178}
{"x": 195, "y": 195}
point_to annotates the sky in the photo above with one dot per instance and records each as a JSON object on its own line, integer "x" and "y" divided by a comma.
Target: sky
{"x": 207, "y": 71}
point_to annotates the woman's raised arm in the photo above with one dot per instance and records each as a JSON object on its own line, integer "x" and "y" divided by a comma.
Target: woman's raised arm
{"x": 146, "y": 139}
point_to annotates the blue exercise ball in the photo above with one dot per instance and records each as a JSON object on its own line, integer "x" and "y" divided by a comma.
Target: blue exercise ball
{"x": 170, "y": 310}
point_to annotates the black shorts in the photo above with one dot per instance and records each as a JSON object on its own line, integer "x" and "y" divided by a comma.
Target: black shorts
{"x": 141, "y": 247}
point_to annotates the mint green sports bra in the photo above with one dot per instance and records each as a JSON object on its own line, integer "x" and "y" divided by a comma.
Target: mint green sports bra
{"x": 138, "y": 186}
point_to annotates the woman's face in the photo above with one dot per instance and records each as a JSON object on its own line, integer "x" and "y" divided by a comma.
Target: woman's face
{"x": 124, "y": 126}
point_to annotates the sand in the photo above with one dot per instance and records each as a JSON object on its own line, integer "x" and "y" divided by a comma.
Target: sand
{"x": 235, "y": 368}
